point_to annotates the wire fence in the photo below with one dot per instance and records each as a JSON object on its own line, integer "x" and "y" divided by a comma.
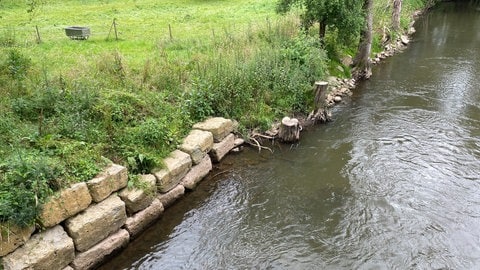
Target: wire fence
{"x": 40, "y": 33}
{"x": 118, "y": 30}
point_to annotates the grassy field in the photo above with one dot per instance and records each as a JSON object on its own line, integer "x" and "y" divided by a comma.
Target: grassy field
{"x": 146, "y": 28}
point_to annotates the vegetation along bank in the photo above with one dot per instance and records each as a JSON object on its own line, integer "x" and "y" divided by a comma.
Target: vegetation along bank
{"x": 151, "y": 69}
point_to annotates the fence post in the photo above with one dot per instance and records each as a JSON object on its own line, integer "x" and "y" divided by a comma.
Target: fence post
{"x": 39, "y": 39}
{"x": 115, "y": 28}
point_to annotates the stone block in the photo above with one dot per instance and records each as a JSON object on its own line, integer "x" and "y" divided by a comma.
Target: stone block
{"x": 137, "y": 199}
{"x": 11, "y": 237}
{"x": 169, "y": 198}
{"x": 218, "y": 126}
{"x": 68, "y": 267}
{"x": 98, "y": 253}
{"x": 197, "y": 144}
{"x": 177, "y": 165}
{"x": 66, "y": 204}
{"x": 238, "y": 142}
{"x": 197, "y": 173}
{"x": 141, "y": 220}
{"x": 50, "y": 249}
{"x": 222, "y": 148}
{"x": 96, "y": 223}
{"x": 110, "y": 180}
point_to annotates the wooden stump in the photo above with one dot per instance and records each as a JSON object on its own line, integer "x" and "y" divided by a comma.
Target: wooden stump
{"x": 289, "y": 130}
{"x": 320, "y": 95}
{"x": 320, "y": 111}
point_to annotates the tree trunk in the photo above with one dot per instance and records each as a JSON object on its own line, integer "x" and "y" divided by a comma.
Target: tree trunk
{"x": 397, "y": 9}
{"x": 322, "y": 30}
{"x": 362, "y": 68}
{"x": 289, "y": 130}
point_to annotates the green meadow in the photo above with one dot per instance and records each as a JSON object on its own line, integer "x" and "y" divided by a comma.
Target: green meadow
{"x": 131, "y": 91}
{"x": 145, "y": 28}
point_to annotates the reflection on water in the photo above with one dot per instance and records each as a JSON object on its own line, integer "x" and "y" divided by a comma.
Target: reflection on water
{"x": 392, "y": 183}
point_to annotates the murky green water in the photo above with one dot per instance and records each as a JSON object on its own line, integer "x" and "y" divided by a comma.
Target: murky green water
{"x": 392, "y": 183}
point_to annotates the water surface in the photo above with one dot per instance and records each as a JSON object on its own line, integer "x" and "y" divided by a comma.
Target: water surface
{"x": 392, "y": 183}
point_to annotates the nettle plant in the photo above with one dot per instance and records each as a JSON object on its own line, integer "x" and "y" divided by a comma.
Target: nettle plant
{"x": 26, "y": 181}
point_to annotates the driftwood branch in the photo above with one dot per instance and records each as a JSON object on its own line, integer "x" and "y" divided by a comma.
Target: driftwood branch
{"x": 262, "y": 136}
{"x": 258, "y": 145}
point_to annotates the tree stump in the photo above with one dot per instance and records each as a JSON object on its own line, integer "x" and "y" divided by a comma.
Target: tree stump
{"x": 289, "y": 130}
{"x": 320, "y": 95}
{"x": 320, "y": 110}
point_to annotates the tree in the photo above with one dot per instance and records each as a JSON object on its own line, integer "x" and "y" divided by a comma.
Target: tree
{"x": 397, "y": 9}
{"x": 361, "y": 62}
{"x": 343, "y": 15}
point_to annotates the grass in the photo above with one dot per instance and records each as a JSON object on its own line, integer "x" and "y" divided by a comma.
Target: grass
{"x": 143, "y": 26}
{"x": 70, "y": 107}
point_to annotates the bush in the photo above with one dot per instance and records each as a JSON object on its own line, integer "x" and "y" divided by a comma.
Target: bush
{"x": 17, "y": 65}
{"x": 26, "y": 181}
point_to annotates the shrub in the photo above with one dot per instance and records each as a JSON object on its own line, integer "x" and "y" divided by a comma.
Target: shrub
{"x": 17, "y": 65}
{"x": 26, "y": 181}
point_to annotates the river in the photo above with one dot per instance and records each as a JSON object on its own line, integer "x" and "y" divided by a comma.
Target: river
{"x": 392, "y": 183}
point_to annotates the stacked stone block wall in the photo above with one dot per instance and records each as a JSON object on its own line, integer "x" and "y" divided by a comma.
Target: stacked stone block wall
{"x": 88, "y": 222}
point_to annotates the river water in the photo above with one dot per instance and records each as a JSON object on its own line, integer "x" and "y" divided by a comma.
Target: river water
{"x": 392, "y": 183}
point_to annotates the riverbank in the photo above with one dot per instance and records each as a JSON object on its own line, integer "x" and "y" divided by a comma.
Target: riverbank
{"x": 63, "y": 128}
{"x": 339, "y": 88}
{"x": 88, "y": 222}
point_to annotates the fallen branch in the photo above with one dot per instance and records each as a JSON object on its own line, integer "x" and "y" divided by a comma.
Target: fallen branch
{"x": 257, "y": 144}
{"x": 262, "y": 136}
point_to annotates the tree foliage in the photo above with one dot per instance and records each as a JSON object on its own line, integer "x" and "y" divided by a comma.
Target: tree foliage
{"x": 346, "y": 16}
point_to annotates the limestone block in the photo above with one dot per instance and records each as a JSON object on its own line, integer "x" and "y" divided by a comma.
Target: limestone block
{"x": 112, "y": 179}
{"x": 98, "y": 253}
{"x": 66, "y": 204}
{"x": 218, "y": 126}
{"x": 197, "y": 173}
{"x": 11, "y": 237}
{"x": 141, "y": 220}
{"x": 222, "y": 148}
{"x": 68, "y": 267}
{"x": 197, "y": 144}
{"x": 176, "y": 167}
{"x": 169, "y": 198}
{"x": 96, "y": 222}
{"x": 238, "y": 142}
{"x": 137, "y": 199}
{"x": 50, "y": 249}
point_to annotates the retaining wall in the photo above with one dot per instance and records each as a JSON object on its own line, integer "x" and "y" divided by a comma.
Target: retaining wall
{"x": 90, "y": 221}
